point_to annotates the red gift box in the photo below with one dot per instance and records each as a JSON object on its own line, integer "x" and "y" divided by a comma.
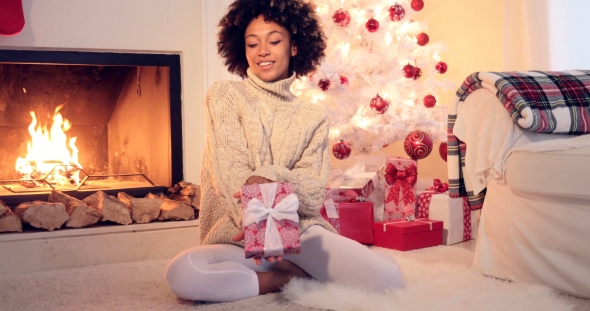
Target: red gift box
{"x": 407, "y": 235}
{"x": 271, "y": 222}
{"x": 400, "y": 188}
{"x": 356, "y": 221}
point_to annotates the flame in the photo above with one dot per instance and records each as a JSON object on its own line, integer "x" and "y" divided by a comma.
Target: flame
{"x": 48, "y": 153}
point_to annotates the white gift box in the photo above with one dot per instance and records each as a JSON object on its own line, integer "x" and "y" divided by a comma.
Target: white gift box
{"x": 450, "y": 212}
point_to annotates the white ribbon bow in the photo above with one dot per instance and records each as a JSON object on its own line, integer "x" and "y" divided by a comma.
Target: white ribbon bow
{"x": 258, "y": 211}
{"x": 338, "y": 176}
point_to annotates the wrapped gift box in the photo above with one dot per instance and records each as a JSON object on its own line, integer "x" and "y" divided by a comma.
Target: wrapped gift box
{"x": 356, "y": 221}
{"x": 355, "y": 182}
{"x": 271, "y": 222}
{"x": 329, "y": 211}
{"x": 460, "y": 222}
{"x": 406, "y": 235}
{"x": 401, "y": 175}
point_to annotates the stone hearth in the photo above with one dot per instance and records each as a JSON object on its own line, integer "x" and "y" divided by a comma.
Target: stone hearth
{"x": 70, "y": 248}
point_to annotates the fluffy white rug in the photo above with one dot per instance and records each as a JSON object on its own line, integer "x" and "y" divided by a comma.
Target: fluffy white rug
{"x": 437, "y": 278}
{"x": 431, "y": 284}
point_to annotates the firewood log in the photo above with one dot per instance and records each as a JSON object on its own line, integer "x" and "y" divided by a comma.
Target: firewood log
{"x": 175, "y": 210}
{"x": 81, "y": 215}
{"x": 172, "y": 209}
{"x": 3, "y": 208}
{"x": 188, "y": 193}
{"x": 9, "y": 222}
{"x": 143, "y": 210}
{"x": 110, "y": 207}
{"x": 42, "y": 215}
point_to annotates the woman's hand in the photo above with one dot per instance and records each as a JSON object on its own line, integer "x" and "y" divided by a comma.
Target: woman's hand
{"x": 251, "y": 181}
{"x": 240, "y": 236}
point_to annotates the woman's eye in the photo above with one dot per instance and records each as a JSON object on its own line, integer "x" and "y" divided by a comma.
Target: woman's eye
{"x": 275, "y": 42}
{"x": 251, "y": 45}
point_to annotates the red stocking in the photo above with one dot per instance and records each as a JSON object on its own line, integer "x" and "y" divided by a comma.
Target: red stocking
{"x": 12, "y": 19}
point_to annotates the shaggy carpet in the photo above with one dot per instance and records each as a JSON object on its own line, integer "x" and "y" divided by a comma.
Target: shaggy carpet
{"x": 437, "y": 278}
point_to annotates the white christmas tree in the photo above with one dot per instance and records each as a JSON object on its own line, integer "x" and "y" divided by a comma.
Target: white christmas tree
{"x": 378, "y": 81}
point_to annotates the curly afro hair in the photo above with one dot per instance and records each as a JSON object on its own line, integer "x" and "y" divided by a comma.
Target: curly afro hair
{"x": 297, "y": 16}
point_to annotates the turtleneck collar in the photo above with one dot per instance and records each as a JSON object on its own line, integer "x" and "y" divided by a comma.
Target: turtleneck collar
{"x": 280, "y": 88}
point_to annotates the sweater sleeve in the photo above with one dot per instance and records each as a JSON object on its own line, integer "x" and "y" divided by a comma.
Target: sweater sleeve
{"x": 310, "y": 174}
{"x": 231, "y": 161}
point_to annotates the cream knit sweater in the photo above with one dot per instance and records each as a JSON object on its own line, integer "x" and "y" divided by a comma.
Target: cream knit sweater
{"x": 261, "y": 129}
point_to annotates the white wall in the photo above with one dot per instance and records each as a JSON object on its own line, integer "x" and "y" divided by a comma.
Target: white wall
{"x": 547, "y": 35}
{"x": 569, "y": 38}
{"x": 162, "y": 26}
{"x": 215, "y": 70}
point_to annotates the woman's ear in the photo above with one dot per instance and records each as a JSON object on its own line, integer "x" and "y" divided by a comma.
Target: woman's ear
{"x": 293, "y": 50}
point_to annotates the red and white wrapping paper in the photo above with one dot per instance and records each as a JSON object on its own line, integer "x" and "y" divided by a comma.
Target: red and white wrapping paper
{"x": 401, "y": 175}
{"x": 271, "y": 222}
{"x": 329, "y": 211}
{"x": 456, "y": 214}
{"x": 351, "y": 183}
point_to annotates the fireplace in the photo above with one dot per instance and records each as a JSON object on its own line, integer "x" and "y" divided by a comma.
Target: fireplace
{"x": 122, "y": 109}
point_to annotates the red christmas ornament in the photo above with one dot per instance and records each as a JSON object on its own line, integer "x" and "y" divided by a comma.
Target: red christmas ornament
{"x": 343, "y": 80}
{"x": 372, "y": 25}
{"x": 422, "y": 39}
{"x": 409, "y": 71}
{"x": 379, "y": 105}
{"x": 441, "y": 67}
{"x": 397, "y": 12}
{"x": 417, "y": 5}
{"x": 341, "y": 150}
{"x": 429, "y": 101}
{"x": 418, "y": 73}
{"x": 442, "y": 150}
{"x": 418, "y": 145}
{"x": 324, "y": 84}
{"x": 12, "y": 18}
{"x": 341, "y": 18}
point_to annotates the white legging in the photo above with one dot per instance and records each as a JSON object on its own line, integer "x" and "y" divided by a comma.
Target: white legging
{"x": 221, "y": 273}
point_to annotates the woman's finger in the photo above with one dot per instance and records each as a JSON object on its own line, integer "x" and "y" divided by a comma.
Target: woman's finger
{"x": 257, "y": 261}
{"x": 239, "y": 236}
{"x": 237, "y": 195}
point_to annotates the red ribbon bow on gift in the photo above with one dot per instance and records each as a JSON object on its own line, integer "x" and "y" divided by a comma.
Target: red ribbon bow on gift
{"x": 438, "y": 186}
{"x": 401, "y": 181}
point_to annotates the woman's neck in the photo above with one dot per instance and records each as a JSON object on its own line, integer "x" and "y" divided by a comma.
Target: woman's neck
{"x": 281, "y": 88}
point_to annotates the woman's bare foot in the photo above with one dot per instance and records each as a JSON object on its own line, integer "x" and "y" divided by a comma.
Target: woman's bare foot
{"x": 281, "y": 273}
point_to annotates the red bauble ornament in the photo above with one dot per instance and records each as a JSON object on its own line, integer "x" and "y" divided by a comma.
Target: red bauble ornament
{"x": 442, "y": 150}
{"x": 422, "y": 39}
{"x": 324, "y": 84}
{"x": 441, "y": 67}
{"x": 409, "y": 71}
{"x": 341, "y": 18}
{"x": 429, "y": 101}
{"x": 418, "y": 145}
{"x": 343, "y": 80}
{"x": 379, "y": 105}
{"x": 418, "y": 73}
{"x": 397, "y": 12}
{"x": 372, "y": 25}
{"x": 417, "y": 5}
{"x": 341, "y": 150}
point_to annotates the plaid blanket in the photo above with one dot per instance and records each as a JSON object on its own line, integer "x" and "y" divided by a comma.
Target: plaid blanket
{"x": 541, "y": 102}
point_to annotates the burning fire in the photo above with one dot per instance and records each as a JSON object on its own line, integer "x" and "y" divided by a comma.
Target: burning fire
{"x": 48, "y": 153}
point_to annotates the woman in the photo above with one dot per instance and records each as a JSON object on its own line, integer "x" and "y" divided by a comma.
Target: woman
{"x": 259, "y": 132}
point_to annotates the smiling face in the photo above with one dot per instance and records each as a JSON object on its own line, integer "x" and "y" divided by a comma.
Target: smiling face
{"x": 268, "y": 50}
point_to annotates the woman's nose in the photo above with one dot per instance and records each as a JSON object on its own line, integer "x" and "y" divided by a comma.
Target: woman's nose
{"x": 263, "y": 50}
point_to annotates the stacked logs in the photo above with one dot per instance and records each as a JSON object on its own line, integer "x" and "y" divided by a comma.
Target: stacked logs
{"x": 64, "y": 210}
